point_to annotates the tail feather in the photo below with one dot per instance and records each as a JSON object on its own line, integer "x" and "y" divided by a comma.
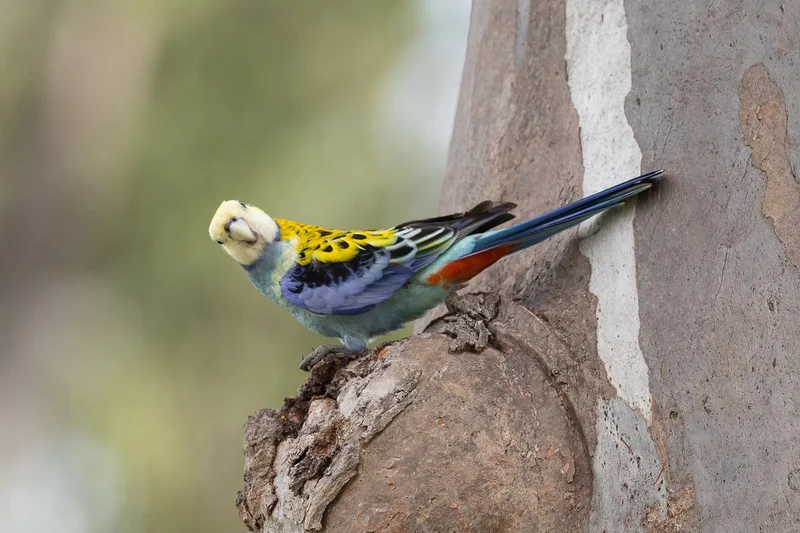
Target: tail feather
{"x": 540, "y": 228}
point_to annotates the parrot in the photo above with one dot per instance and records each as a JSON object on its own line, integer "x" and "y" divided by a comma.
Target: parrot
{"x": 358, "y": 285}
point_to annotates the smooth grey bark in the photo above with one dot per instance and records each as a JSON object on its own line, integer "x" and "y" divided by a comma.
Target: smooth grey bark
{"x": 528, "y": 434}
{"x": 718, "y": 258}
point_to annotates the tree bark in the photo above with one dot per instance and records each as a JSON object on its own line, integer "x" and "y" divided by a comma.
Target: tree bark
{"x": 640, "y": 374}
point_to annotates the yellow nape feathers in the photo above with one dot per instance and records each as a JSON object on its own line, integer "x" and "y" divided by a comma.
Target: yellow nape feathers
{"x": 315, "y": 243}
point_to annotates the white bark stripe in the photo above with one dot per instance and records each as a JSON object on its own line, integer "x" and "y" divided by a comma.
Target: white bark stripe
{"x": 599, "y": 70}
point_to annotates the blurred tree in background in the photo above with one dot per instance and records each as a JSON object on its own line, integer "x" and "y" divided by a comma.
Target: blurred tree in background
{"x": 131, "y": 348}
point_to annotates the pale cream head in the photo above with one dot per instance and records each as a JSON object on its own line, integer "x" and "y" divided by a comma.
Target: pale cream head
{"x": 242, "y": 230}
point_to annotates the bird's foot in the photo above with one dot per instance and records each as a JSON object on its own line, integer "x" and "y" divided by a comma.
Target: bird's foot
{"x": 325, "y": 351}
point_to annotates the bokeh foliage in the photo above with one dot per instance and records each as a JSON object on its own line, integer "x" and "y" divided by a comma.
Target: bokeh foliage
{"x": 122, "y": 126}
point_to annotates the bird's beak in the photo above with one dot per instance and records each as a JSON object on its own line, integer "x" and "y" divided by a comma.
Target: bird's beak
{"x": 240, "y": 231}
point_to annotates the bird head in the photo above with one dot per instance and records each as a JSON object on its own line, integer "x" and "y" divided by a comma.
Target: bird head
{"x": 243, "y": 231}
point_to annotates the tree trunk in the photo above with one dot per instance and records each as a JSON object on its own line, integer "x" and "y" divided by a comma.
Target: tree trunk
{"x": 641, "y": 374}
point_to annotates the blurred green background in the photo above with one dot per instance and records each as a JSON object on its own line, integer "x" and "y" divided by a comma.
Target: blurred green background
{"x": 131, "y": 348}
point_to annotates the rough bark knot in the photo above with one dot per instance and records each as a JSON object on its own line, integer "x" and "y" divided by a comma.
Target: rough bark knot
{"x": 466, "y": 322}
{"x": 298, "y": 458}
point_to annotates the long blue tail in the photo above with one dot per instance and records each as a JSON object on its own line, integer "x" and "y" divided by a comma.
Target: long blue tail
{"x": 540, "y": 228}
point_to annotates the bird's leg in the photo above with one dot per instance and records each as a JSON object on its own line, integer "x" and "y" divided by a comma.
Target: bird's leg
{"x": 324, "y": 351}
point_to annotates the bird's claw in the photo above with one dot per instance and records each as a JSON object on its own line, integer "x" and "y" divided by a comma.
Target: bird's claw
{"x": 322, "y": 352}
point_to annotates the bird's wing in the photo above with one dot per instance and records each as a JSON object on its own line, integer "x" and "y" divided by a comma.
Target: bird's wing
{"x": 349, "y": 272}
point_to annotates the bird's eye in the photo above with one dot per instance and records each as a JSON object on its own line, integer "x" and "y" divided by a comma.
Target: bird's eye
{"x": 220, "y": 242}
